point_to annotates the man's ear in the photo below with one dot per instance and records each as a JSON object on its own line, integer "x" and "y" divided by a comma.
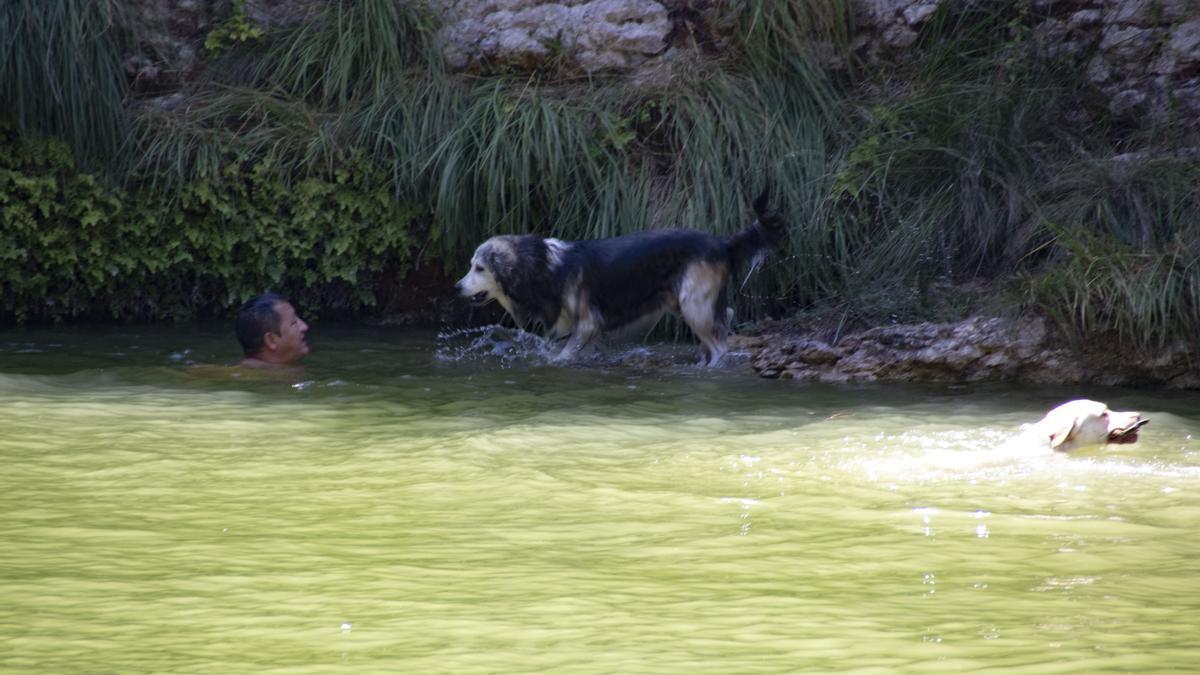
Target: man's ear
{"x": 271, "y": 341}
{"x": 1063, "y": 432}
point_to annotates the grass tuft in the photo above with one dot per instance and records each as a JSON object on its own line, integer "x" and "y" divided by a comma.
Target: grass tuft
{"x": 61, "y": 74}
{"x": 350, "y": 52}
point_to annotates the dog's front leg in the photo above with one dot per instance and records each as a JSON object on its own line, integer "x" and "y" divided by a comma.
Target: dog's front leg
{"x": 586, "y": 330}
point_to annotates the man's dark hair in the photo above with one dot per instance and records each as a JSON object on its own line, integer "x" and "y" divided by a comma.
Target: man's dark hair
{"x": 255, "y": 318}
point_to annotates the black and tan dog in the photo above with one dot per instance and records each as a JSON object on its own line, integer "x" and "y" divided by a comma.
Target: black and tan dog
{"x": 581, "y": 289}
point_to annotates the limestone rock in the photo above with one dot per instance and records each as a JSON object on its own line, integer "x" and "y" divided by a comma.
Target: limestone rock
{"x": 1126, "y": 102}
{"x": 976, "y": 349}
{"x": 1144, "y": 55}
{"x": 1149, "y": 12}
{"x": 1085, "y": 18}
{"x": 1184, "y": 45}
{"x": 591, "y": 34}
{"x": 1127, "y": 42}
{"x": 1126, "y": 46}
{"x": 171, "y": 33}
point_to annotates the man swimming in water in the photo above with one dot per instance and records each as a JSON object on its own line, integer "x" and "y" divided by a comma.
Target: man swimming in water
{"x": 270, "y": 332}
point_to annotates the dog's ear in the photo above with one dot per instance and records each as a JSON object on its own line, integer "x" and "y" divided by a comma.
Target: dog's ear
{"x": 1062, "y": 431}
{"x": 502, "y": 261}
{"x": 770, "y": 221}
{"x": 762, "y": 201}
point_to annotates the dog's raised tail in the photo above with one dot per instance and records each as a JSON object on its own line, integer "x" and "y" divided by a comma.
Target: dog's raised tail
{"x": 768, "y": 232}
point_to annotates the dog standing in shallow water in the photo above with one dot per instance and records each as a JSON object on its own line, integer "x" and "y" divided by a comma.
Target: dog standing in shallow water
{"x": 583, "y": 288}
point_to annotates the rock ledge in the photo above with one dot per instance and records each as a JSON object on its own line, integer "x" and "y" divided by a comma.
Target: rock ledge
{"x": 973, "y": 350}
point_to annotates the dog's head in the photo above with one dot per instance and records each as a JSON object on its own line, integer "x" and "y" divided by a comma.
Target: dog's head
{"x": 1082, "y": 423}
{"x": 491, "y": 265}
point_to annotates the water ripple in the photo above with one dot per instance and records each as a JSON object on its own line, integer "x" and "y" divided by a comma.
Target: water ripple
{"x": 402, "y": 506}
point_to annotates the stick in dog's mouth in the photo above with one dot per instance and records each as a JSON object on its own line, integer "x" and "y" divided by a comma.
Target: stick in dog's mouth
{"x": 1128, "y": 434}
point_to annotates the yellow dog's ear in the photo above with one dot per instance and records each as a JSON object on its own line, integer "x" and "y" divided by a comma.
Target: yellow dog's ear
{"x": 1063, "y": 432}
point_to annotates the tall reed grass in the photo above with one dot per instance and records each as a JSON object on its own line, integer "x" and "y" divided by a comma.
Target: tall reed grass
{"x": 61, "y": 74}
{"x": 1120, "y": 253}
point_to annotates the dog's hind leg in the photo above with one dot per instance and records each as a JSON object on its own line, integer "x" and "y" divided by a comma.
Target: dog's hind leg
{"x": 702, "y": 306}
{"x": 713, "y": 339}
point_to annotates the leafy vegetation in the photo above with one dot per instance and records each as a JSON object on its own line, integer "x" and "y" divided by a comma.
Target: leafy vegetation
{"x": 233, "y": 30}
{"x": 70, "y": 246}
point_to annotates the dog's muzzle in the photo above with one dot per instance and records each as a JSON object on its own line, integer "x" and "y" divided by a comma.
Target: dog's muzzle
{"x": 1128, "y": 434}
{"x": 477, "y": 299}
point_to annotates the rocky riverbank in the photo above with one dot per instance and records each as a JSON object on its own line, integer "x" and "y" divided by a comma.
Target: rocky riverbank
{"x": 976, "y": 349}
{"x": 1144, "y": 55}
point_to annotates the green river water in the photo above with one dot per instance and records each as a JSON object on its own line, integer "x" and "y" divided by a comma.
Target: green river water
{"x": 413, "y": 504}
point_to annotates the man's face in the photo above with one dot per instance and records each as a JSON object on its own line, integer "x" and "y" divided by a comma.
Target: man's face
{"x": 288, "y": 344}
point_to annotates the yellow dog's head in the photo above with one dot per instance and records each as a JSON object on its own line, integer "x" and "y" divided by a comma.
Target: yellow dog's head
{"x": 1082, "y": 423}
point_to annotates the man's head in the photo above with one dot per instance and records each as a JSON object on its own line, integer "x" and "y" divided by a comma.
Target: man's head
{"x": 270, "y": 331}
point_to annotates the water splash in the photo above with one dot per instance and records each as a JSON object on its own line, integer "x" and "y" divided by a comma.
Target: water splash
{"x": 512, "y": 346}
{"x": 492, "y": 343}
